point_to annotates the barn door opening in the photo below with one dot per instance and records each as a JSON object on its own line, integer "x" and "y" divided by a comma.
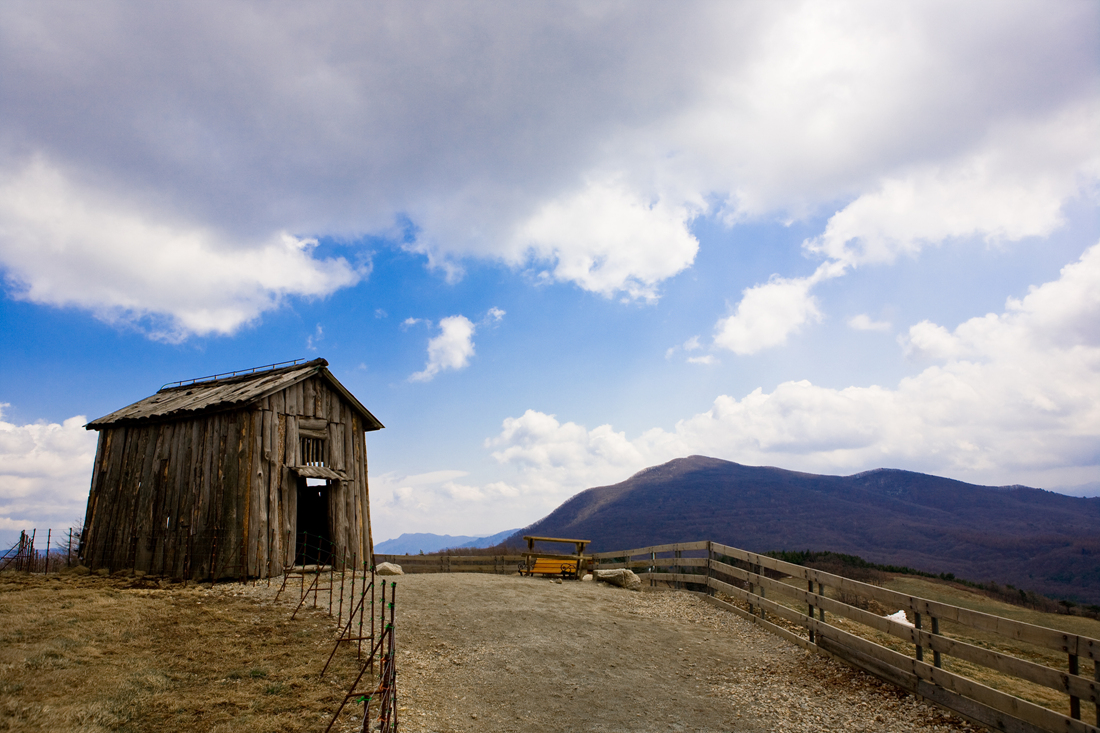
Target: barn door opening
{"x": 314, "y": 545}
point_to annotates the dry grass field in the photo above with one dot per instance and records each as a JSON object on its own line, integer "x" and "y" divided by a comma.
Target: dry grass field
{"x": 117, "y": 654}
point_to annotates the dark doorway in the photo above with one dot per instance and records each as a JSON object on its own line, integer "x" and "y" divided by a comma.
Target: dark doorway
{"x": 314, "y": 545}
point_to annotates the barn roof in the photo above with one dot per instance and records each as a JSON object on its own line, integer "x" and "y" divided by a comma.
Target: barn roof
{"x": 214, "y": 394}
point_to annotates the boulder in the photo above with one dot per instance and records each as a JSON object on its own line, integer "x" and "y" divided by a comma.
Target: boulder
{"x": 621, "y": 577}
{"x": 389, "y": 568}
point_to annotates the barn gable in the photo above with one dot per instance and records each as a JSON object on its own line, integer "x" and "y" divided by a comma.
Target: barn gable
{"x": 223, "y": 476}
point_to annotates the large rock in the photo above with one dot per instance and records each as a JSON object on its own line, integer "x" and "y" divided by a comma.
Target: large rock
{"x": 621, "y": 577}
{"x": 389, "y": 568}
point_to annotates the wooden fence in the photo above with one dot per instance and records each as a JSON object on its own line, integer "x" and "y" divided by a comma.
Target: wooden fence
{"x": 761, "y": 582}
{"x": 498, "y": 564}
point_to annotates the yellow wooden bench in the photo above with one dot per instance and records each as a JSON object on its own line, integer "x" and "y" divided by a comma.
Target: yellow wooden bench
{"x": 544, "y": 563}
{"x": 549, "y": 566}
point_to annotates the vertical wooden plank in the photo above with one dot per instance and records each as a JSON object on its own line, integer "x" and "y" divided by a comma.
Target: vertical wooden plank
{"x": 122, "y": 505}
{"x": 257, "y": 496}
{"x": 215, "y": 521}
{"x": 308, "y": 407}
{"x": 292, "y": 443}
{"x": 350, "y": 490}
{"x": 163, "y": 504}
{"x": 270, "y": 500}
{"x": 98, "y": 473}
{"x": 284, "y": 491}
{"x": 234, "y": 495}
{"x": 364, "y": 508}
{"x": 146, "y": 521}
{"x": 176, "y": 472}
{"x": 290, "y": 394}
{"x": 274, "y": 482}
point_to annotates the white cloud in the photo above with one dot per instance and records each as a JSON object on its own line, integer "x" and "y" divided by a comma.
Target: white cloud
{"x": 769, "y": 313}
{"x": 707, "y": 360}
{"x": 556, "y": 459}
{"x": 316, "y": 337}
{"x": 583, "y": 140}
{"x": 494, "y": 315}
{"x": 1011, "y": 398}
{"x": 1013, "y": 186}
{"x": 451, "y": 349}
{"x": 863, "y": 322}
{"x": 437, "y": 502}
{"x": 45, "y": 472}
{"x": 692, "y": 344}
{"x": 66, "y": 246}
{"x": 606, "y": 239}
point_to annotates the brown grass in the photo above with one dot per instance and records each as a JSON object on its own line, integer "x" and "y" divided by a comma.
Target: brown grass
{"x": 116, "y": 654}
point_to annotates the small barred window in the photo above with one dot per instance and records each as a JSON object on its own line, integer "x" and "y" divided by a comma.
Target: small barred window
{"x": 313, "y": 452}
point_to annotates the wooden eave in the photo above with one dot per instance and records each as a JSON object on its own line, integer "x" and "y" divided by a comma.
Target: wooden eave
{"x": 235, "y": 393}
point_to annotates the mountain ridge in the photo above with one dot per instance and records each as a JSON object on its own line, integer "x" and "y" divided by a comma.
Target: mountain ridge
{"x": 1031, "y": 538}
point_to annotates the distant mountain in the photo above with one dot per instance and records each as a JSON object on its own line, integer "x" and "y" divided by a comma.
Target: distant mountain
{"x": 1086, "y": 490}
{"x": 489, "y": 541}
{"x": 415, "y": 542}
{"x": 1033, "y": 539}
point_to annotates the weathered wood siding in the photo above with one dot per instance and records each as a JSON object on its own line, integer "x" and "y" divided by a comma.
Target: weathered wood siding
{"x": 215, "y": 495}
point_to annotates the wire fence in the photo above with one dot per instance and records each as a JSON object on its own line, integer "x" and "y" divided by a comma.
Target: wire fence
{"x": 28, "y": 556}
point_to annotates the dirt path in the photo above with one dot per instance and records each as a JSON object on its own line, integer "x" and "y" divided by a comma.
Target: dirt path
{"x": 499, "y": 653}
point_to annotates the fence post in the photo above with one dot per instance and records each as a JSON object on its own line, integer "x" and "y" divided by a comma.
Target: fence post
{"x": 1074, "y": 702}
{"x": 810, "y": 628}
{"x": 763, "y": 613}
{"x": 916, "y": 625}
{"x": 936, "y": 661}
{"x": 710, "y": 554}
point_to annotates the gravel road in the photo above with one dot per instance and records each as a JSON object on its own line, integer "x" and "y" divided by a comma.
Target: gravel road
{"x": 504, "y": 653}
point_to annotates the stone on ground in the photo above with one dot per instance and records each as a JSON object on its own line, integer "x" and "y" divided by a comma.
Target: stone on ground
{"x": 621, "y": 577}
{"x": 389, "y": 568}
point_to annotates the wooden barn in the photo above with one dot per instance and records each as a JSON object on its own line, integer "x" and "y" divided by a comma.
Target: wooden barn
{"x": 233, "y": 475}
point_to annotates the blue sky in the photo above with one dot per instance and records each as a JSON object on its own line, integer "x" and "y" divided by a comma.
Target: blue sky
{"x": 551, "y": 244}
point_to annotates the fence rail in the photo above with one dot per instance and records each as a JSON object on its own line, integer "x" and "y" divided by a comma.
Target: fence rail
{"x": 496, "y": 564}
{"x": 758, "y": 582}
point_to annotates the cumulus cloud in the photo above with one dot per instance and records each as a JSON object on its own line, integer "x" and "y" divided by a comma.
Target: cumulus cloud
{"x": 769, "y": 313}
{"x": 607, "y": 240}
{"x": 451, "y": 349}
{"x": 580, "y": 140}
{"x": 66, "y": 246}
{"x": 45, "y": 472}
{"x": 1010, "y": 397}
{"x": 553, "y": 455}
{"x": 436, "y": 501}
{"x": 1013, "y": 186}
